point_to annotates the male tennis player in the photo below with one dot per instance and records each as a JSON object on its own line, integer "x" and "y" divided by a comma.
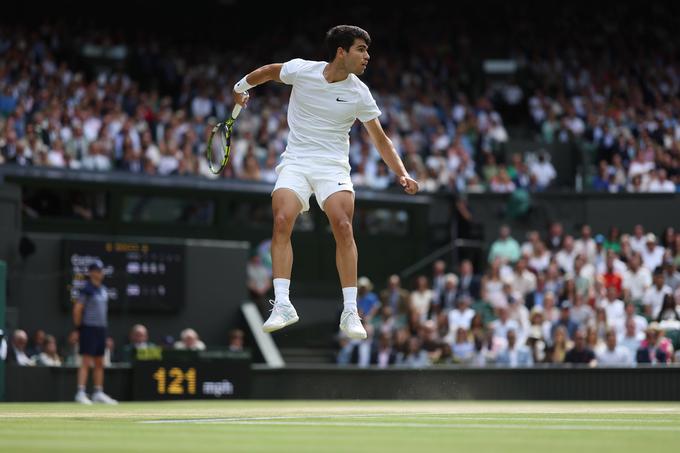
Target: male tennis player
{"x": 327, "y": 98}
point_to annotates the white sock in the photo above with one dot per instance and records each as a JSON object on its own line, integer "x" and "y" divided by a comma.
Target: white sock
{"x": 350, "y": 296}
{"x": 281, "y": 290}
{"x": 98, "y": 389}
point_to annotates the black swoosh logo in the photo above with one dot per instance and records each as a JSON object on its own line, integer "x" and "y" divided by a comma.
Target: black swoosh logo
{"x": 342, "y": 183}
{"x": 340, "y": 100}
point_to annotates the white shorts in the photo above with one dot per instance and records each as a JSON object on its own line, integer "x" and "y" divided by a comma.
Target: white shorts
{"x": 305, "y": 179}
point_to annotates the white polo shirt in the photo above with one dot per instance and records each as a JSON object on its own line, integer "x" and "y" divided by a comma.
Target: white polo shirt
{"x": 321, "y": 114}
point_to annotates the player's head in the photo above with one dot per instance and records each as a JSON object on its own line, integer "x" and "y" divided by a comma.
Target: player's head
{"x": 96, "y": 272}
{"x": 349, "y": 46}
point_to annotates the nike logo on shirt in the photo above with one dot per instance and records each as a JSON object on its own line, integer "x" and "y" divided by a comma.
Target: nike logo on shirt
{"x": 340, "y": 100}
{"x": 342, "y": 183}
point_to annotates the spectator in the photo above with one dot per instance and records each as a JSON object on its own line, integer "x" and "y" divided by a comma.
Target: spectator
{"x": 539, "y": 259}
{"x": 70, "y": 354}
{"x": 236, "y": 337}
{"x": 613, "y": 307}
{"x": 38, "y": 343}
{"x": 462, "y": 348}
{"x": 638, "y": 239}
{"x": 565, "y": 320}
{"x": 580, "y": 353}
{"x": 639, "y": 320}
{"x": 17, "y": 351}
{"x": 539, "y": 327}
{"x": 421, "y": 297}
{"x": 614, "y": 355}
{"x": 367, "y": 301}
{"x": 655, "y": 348}
{"x": 632, "y": 338}
{"x": 611, "y": 278}
{"x": 395, "y": 296}
{"x": 557, "y": 350}
{"x": 581, "y": 313}
{"x": 636, "y": 280}
{"x": 189, "y": 341}
{"x": 555, "y": 236}
{"x": 671, "y": 275}
{"x": 514, "y": 354}
{"x": 415, "y": 357}
{"x": 567, "y": 255}
{"x": 450, "y": 293}
{"x": 461, "y": 316}
{"x": 655, "y": 294}
{"x": 669, "y": 314}
{"x": 468, "y": 282}
{"x": 652, "y": 254}
{"x": 49, "y": 356}
{"x": 503, "y": 324}
{"x": 585, "y": 245}
{"x": 138, "y": 339}
{"x": 505, "y": 247}
{"x": 438, "y": 280}
{"x": 543, "y": 171}
{"x": 523, "y": 281}
{"x": 384, "y": 354}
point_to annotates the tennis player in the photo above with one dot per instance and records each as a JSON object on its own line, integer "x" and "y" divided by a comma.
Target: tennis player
{"x": 326, "y": 99}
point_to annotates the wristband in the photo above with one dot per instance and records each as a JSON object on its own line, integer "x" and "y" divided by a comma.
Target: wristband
{"x": 242, "y": 86}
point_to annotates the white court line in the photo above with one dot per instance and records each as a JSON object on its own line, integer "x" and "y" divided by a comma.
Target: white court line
{"x": 429, "y": 416}
{"x": 464, "y": 426}
{"x": 278, "y": 417}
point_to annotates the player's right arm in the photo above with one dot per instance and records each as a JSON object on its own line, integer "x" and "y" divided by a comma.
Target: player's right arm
{"x": 77, "y": 313}
{"x": 259, "y": 76}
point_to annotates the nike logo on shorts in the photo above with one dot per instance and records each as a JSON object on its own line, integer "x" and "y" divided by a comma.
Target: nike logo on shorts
{"x": 342, "y": 183}
{"x": 340, "y": 100}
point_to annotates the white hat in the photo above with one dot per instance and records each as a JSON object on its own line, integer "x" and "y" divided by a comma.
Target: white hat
{"x": 365, "y": 282}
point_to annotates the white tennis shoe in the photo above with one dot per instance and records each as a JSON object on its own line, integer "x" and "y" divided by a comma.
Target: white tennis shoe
{"x": 350, "y": 323}
{"x": 101, "y": 397}
{"x": 283, "y": 314}
{"x": 81, "y": 397}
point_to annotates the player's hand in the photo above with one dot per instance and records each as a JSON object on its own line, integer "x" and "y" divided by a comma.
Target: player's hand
{"x": 409, "y": 184}
{"x": 241, "y": 98}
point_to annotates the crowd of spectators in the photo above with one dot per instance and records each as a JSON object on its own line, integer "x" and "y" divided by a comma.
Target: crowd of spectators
{"x": 42, "y": 349}
{"x": 149, "y": 108}
{"x": 52, "y": 114}
{"x": 555, "y": 298}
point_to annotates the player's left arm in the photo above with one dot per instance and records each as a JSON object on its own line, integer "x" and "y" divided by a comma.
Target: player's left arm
{"x": 389, "y": 155}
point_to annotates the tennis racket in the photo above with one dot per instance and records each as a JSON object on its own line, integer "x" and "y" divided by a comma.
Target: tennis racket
{"x": 219, "y": 143}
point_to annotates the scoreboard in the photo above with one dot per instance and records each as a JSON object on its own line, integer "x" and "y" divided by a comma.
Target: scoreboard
{"x": 140, "y": 276}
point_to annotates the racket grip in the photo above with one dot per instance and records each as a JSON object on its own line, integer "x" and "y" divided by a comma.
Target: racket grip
{"x": 236, "y": 111}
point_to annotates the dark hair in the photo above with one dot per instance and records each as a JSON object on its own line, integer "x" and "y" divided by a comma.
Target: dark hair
{"x": 344, "y": 36}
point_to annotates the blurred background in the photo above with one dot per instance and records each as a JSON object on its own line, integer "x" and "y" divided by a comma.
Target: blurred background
{"x": 545, "y": 137}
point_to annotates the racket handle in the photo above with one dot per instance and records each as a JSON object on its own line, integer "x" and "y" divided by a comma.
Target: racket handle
{"x": 236, "y": 111}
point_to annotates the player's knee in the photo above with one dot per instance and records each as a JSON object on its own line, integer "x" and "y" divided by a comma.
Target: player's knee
{"x": 343, "y": 230}
{"x": 282, "y": 223}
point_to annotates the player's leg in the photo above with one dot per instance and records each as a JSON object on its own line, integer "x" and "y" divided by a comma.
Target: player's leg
{"x": 286, "y": 207}
{"x": 98, "y": 373}
{"x": 83, "y": 371}
{"x": 288, "y": 200}
{"x": 339, "y": 207}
